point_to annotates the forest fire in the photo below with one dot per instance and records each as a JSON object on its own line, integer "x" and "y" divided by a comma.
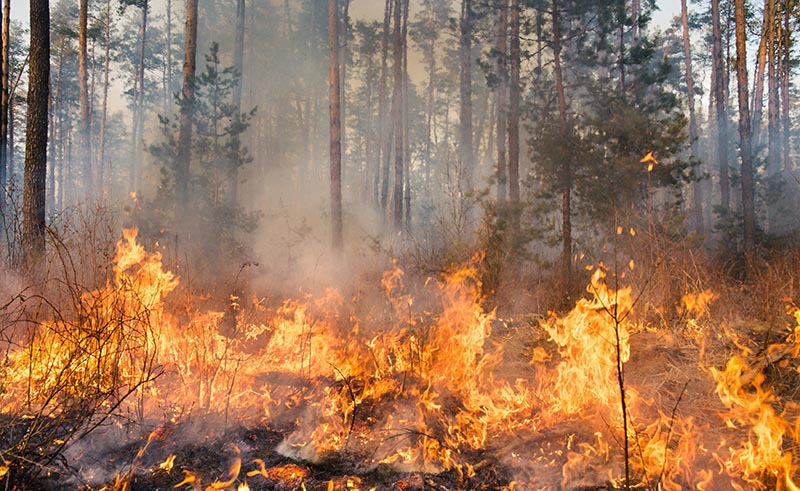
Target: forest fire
{"x": 414, "y": 387}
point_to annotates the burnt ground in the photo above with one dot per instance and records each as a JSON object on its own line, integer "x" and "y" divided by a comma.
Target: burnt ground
{"x": 263, "y": 468}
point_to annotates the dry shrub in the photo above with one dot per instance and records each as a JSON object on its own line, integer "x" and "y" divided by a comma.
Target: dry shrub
{"x": 76, "y": 345}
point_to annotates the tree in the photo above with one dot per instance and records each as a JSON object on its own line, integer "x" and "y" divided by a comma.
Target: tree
{"x": 5, "y": 94}
{"x": 566, "y": 171}
{"x": 33, "y": 203}
{"x": 687, "y": 56}
{"x": 719, "y": 76}
{"x": 465, "y": 90}
{"x": 397, "y": 117}
{"x": 748, "y": 194}
{"x": 513, "y": 106}
{"x": 334, "y": 95}
{"x": 184, "y": 156}
{"x": 500, "y": 96}
{"x": 101, "y": 159}
{"x": 83, "y": 80}
{"x": 138, "y": 94}
{"x": 238, "y": 65}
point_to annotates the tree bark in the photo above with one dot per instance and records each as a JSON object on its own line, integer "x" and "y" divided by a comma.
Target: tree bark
{"x": 501, "y": 169}
{"x": 344, "y": 24}
{"x": 758, "y": 78}
{"x": 748, "y": 199}
{"x": 722, "y": 112}
{"x": 566, "y": 171}
{"x": 83, "y": 82}
{"x": 101, "y": 159}
{"x": 773, "y": 110}
{"x": 465, "y": 88}
{"x": 168, "y": 68}
{"x": 385, "y": 120}
{"x": 138, "y": 102}
{"x": 33, "y": 202}
{"x": 513, "y": 108}
{"x": 184, "y": 156}
{"x": 4, "y": 96}
{"x": 786, "y": 122}
{"x": 687, "y": 56}
{"x": 334, "y": 94}
{"x": 404, "y": 121}
{"x": 397, "y": 49}
{"x": 238, "y": 65}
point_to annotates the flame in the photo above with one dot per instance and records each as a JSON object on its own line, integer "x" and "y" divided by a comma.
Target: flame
{"x": 420, "y": 381}
{"x": 168, "y": 463}
{"x": 696, "y": 303}
{"x": 588, "y": 347}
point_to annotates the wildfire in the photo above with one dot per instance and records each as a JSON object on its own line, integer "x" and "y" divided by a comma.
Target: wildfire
{"x": 419, "y": 381}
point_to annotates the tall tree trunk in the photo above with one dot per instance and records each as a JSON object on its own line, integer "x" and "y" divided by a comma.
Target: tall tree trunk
{"x": 56, "y": 124}
{"x": 83, "y": 82}
{"x": 385, "y": 119}
{"x": 566, "y": 171}
{"x": 748, "y": 198}
{"x": 397, "y": 121}
{"x": 430, "y": 119}
{"x": 786, "y": 52}
{"x": 334, "y": 94}
{"x": 33, "y": 201}
{"x": 101, "y": 159}
{"x": 758, "y": 78}
{"x": 722, "y": 112}
{"x": 4, "y": 97}
{"x": 138, "y": 101}
{"x": 687, "y": 56}
{"x": 184, "y": 156}
{"x": 238, "y": 65}
{"x": 773, "y": 109}
{"x": 344, "y": 24}
{"x": 168, "y": 68}
{"x": 404, "y": 122}
{"x": 465, "y": 86}
{"x": 513, "y": 108}
{"x": 501, "y": 170}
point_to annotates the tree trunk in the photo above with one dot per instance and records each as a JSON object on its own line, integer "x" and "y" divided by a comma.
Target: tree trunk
{"x": 687, "y": 56}
{"x": 722, "y": 112}
{"x": 334, "y": 95}
{"x": 465, "y": 86}
{"x": 138, "y": 102}
{"x": 33, "y": 202}
{"x": 501, "y": 170}
{"x": 344, "y": 25}
{"x": 404, "y": 121}
{"x": 56, "y": 124}
{"x": 184, "y": 156}
{"x": 513, "y": 108}
{"x": 397, "y": 49}
{"x": 786, "y": 122}
{"x": 385, "y": 120}
{"x": 566, "y": 172}
{"x": 773, "y": 110}
{"x": 168, "y": 67}
{"x": 83, "y": 83}
{"x": 748, "y": 199}
{"x": 430, "y": 119}
{"x": 758, "y": 79}
{"x": 4, "y": 97}
{"x": 101, "y": 160}
{"x": 238, "y": 65}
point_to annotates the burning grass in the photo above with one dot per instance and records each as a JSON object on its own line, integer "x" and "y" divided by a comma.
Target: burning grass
{"x": 138, "y": 387}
